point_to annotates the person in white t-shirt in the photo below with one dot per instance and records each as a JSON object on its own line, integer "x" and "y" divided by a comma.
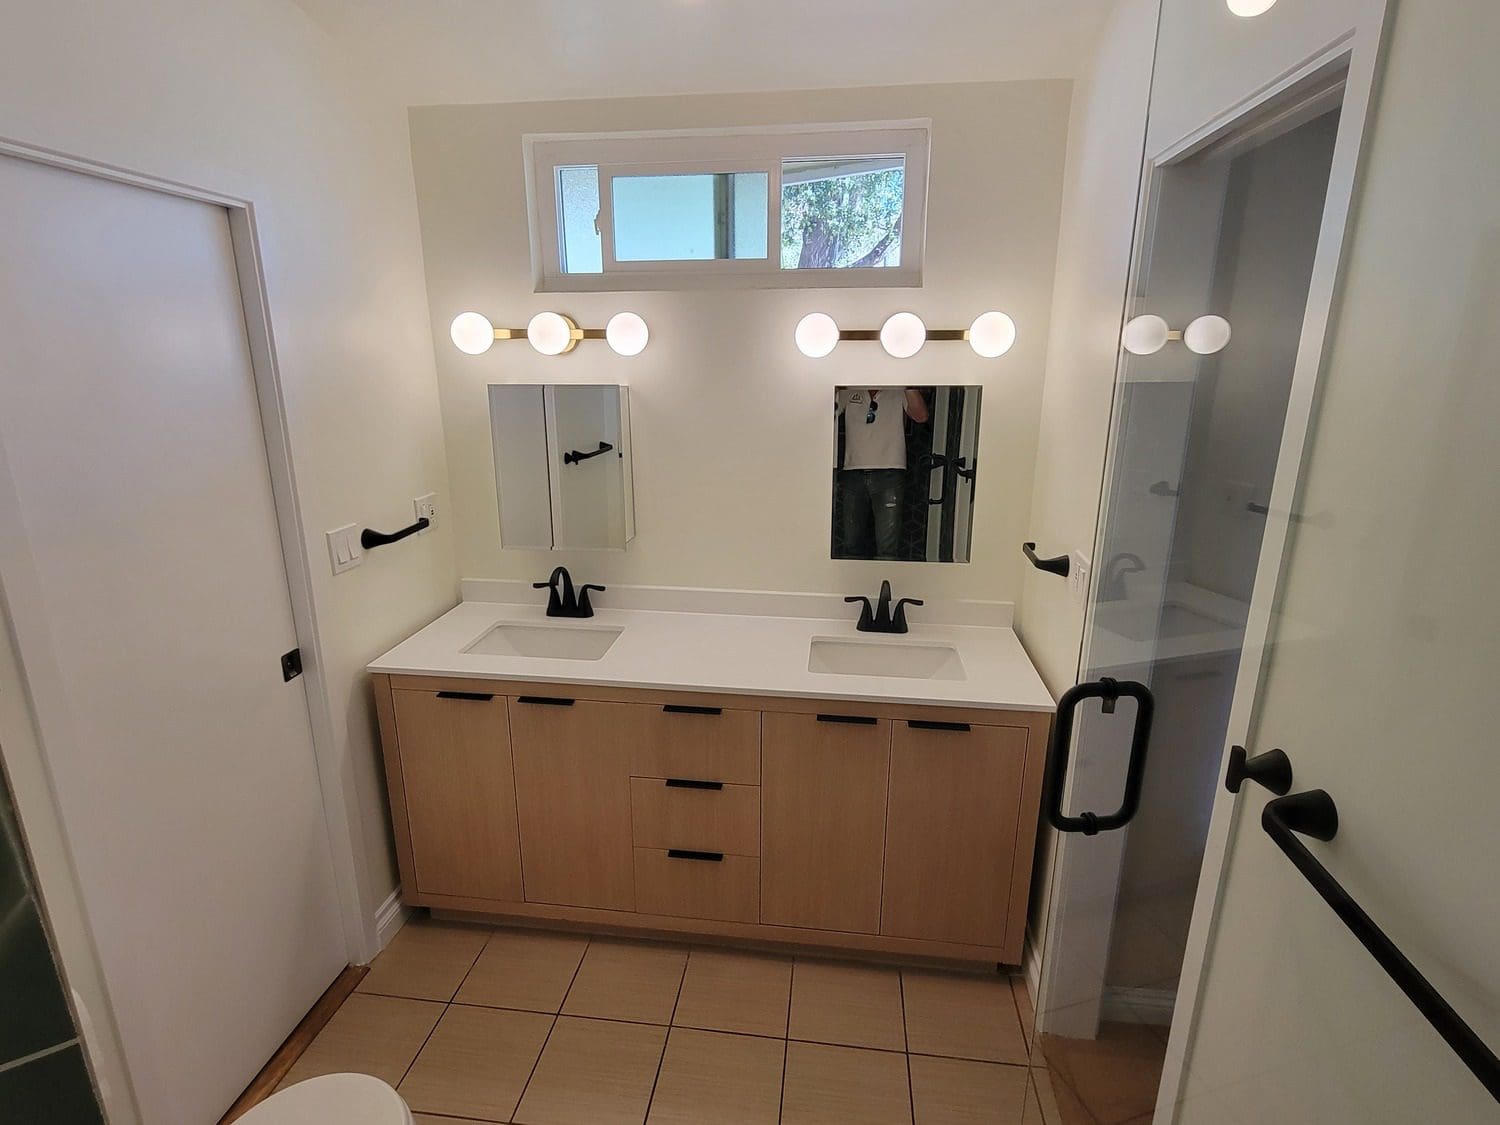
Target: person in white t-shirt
{"x": 872, "y": 478}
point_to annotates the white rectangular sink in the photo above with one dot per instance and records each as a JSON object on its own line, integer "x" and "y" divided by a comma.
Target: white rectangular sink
{"x": 905, "y": 660}
{"x": 548, "y": 642}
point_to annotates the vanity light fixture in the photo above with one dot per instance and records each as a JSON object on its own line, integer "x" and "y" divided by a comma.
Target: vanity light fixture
{"x": 1149, "y": 333}
{"x": 902, "y": 335}
{"x": 549, "y": 333}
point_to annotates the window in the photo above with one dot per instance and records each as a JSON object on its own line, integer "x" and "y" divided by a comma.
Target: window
{"x": 776, "y": 207}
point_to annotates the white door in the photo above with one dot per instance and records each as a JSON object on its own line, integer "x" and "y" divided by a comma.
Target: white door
{"x": 1378, "y": 676}
{"x": 151, "y": 619}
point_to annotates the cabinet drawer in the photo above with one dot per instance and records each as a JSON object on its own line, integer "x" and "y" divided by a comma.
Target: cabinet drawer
{"x": 673, "y": 815}
{"x": 702, "y": 744}
{"x": 727, "y": 889}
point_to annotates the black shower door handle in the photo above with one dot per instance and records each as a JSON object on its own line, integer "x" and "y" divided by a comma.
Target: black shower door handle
{"x": 1109, "y": 691}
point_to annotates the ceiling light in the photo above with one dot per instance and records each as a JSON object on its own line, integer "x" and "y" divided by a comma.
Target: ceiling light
{"x": 626, "y": 333}
{"x": 472, "y": 333}
{"x": 1206, "y": 335}
{"x": 816, "y": 335}
{"x": 903, "y": 335}
{"x": 1250, "y": 7}
{"x": 1145, "y": 335}
{"x": 992, "y": 334}
{"x": 552, "y": 333}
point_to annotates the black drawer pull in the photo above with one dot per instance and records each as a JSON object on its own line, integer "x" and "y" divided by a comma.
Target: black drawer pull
{"x": 858, "y": 720}
{"x": 936, "y": 724}
{"x": 686, "y": 783}
{"x": 706, "y": 857}
{"x": 688, "y": 709}
{"x": 477, "y": 696}
{"x": 544, "y": 701}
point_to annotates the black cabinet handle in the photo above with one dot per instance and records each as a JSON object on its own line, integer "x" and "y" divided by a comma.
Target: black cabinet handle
{"x": 688, "y": 783}
{"x": 1108, "y": 691}
{"x": 477, "y": 696}
{"x": 544, "y": 701}
{"x": 687, "y": 709}
{"x": 706, "y": 857}
{"x": 936, "y": 724}
{"x": 857, "y": 720}
{"x": 1058, "y": 565}
{"x": 369, "y": 538}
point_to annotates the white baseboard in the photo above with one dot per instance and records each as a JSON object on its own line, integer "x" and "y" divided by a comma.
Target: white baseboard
{"x": 390, "y": 917}
{"x": 1139, "y": 1005}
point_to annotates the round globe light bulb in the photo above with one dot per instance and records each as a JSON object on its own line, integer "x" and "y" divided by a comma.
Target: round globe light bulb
{"x": 627, "y": 333}
{"x": 550, "y": 333}
{"x": 1249, "y": 8}
{"x": 471, "y": 333}
{"x": 817, "y": 335}
{"x": 903, "y": 335}
{"x": 1206, "y": 335}
{"x": 992, "y": 334}
{"x": 1145, "y": 335}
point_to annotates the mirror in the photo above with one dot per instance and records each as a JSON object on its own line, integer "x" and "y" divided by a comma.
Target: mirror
{"x": 905, "y": 459}
{"x": 562, "y": 465}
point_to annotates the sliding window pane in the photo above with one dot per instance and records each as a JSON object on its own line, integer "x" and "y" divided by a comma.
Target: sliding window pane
{"x": 842, "y": 212}
{"x": 691, "y": 217}
{"x": 581, "y": 248}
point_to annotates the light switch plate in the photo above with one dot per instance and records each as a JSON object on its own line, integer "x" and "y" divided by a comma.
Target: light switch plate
{"x": 344, "y": 550}
{"x": 1078, "y": 576}
{"x": 426, "y": 508}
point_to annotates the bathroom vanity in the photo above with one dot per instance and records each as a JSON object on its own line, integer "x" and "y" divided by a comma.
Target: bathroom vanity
{"x": 750, "y": 778}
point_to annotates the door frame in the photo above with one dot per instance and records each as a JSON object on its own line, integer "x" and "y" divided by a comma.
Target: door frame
{"x": 1358, "y": 52}
{"x": 39, "y": 680}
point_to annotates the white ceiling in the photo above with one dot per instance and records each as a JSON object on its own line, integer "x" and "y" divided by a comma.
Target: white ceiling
{"x": 442, "y": 51}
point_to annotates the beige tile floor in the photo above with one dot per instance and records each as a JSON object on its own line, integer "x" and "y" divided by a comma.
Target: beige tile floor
{"x": 500, "y": 1025}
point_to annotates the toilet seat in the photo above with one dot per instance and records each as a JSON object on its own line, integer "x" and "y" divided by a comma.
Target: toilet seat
{"x": 334, "y": 1099}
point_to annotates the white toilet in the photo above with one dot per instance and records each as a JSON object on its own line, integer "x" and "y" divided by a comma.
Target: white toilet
{"x": 334, "y": 1099}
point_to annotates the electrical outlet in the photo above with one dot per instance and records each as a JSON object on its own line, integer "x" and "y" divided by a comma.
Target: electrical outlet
{"x": 344, "y": 550}
{"x": 426, "y": 508}
{"x": 1078, "y": 576}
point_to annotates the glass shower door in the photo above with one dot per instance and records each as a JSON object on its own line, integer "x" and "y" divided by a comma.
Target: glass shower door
{"x": 43, "y": 1075}
{"x": 1231, "y": 231}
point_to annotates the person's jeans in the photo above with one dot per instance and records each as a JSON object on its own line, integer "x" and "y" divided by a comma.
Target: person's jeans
{"x": 872, "y": 511}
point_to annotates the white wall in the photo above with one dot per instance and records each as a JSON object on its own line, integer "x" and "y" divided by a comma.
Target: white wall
{"x": 249, "y": 98}
{"x": 732, "y": 426}
{"x": 1106, "y": 132}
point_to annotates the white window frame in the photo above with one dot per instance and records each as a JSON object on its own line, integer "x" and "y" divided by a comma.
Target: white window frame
{"x": 707, "y": 151}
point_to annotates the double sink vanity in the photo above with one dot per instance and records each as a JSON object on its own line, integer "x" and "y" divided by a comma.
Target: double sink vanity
{"x": 767, "y": 773}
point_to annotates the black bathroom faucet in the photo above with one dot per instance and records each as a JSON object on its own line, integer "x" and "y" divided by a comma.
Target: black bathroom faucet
{"x": 563, "y": 602}
{"x": 882, "y": 619}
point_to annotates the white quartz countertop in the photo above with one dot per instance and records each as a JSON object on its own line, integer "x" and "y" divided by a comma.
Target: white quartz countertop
{"x": 726, "y": 653}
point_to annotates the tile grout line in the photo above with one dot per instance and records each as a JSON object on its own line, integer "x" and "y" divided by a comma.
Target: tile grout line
{"x": 665, "y": 1039}
{"x": 446, "y": 1005}
{"x": 557, "y": 1015}
{"x": 786, "y": 1047}
{"x": 911, "y": 1098}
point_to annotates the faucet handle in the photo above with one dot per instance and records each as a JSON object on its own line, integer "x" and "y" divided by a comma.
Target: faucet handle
{"x": 898, "y": 616}
{"x": 866, "y": 612}
{"x": 585, "y": 607}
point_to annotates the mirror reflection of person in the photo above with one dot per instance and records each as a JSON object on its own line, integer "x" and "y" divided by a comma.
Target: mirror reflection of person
{"x": 872, "y": 479}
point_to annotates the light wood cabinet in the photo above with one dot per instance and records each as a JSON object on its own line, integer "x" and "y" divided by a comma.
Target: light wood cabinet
{"x": 873, "y": 827}
{"x": 951, "y": 831}
{"x": 573, "y": 797}
{"x": 460, "y": 793}
{"x": 823, "y": 820}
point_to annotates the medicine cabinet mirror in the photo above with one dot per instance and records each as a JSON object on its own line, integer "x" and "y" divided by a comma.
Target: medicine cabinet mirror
{"x": 905, "y": 462}
{"x": 562, "y": 465}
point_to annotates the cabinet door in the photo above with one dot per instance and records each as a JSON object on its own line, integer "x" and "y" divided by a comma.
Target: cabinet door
{"x": 823, "y": 821}
{"x": 573, "y": 797}
{"x": 460, "y": 794}
{"x": 951, "y": 831}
